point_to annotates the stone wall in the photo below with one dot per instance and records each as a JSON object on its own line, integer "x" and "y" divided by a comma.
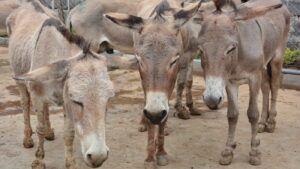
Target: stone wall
{"x": 294, "y": 37}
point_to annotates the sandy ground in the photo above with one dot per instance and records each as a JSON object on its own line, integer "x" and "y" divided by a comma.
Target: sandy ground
{"x": 192, "y": 144}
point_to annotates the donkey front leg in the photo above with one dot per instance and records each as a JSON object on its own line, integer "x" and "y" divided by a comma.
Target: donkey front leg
{"x": 143, "y": 124}
{"x": 38, "y": 163}
{"x": 69, "y": 134}
{"x": 49, "y": 135}
{"x": 150, "y": 160}
{"x": 25, "y": 102}
{"x": 161, "y": 154}
{"x": 182, "y": 111}
{"x": 189, "y": 96}
{"x": 232, "y": 115}
{"x": 253, "y": 115}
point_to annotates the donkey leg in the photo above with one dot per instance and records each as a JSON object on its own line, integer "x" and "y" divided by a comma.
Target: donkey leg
{"x": 253, "y": 116}
{"x": 276, "y": 66}
{"x": 69, "y": 134}
{"x": 150, "y": 160}
{"x": 38, "y": 163}
{"x": 49, "y": 135}
{"x": 265, "y": 88}
{"x": 189, "y": 96}
{"x": 232, "y": 115}
{"x": 161, "y": 155}
{"x": 143, "y": 124}
{"x": 25, "y": 102}
{"x": 182, "y": 111}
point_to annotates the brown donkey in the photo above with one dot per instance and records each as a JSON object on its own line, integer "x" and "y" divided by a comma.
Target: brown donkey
{"x": 53, "y": 66}
{"x": 236, "y": 49}
{"x": 158, "y": 42}
{"x": 87, "y": 20}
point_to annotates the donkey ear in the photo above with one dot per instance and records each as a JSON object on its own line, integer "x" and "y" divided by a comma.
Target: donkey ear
{"x": 129, "y": 21}
{"x": 57, "y": 70}
{"x": 256, "y": 8}
{"x": 186, "y": 13}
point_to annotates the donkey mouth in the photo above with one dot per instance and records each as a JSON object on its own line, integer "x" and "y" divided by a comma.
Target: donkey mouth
{"x": 156, "y": 118}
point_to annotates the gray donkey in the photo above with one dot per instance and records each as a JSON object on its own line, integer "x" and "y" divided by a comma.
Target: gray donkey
{"x": 240, "y": 46}
{"x": 53, "y": 66}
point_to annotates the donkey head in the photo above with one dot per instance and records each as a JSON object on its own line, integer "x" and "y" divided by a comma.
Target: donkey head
{"x": 219, "y": 43}
{"x": 82, "y": 84}
{"x": 158, "y": 47}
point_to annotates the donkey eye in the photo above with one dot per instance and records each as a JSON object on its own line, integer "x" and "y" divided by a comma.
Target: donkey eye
{"x": 78, "y": 103}
{"x": 231, "y": 49}
{"x": 174, "y": 60}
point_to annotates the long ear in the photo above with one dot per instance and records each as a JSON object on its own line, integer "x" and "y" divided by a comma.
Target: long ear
{"x": 129, "y": 21}
{"x": 53, "y": 71}
{"x": 256, "y": 8}
{"x": 183, "y": 15}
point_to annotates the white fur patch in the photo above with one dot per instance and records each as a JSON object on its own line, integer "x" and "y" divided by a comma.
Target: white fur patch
{"x": 157, "y": 102}
{"x": 95, "y": 145}
{"x": 214, "y": 87}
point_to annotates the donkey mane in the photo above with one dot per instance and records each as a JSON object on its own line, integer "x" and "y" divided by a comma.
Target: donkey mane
{"x": 221, "y": 3}
{"x": 70, "y": 37}
{"x": 160, "y": 10}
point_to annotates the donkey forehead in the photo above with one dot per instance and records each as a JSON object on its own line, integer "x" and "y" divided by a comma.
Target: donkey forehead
{"x": 218, "y": 22}
{"x": 89, "y": 78}
{"x": 158, "y": 43}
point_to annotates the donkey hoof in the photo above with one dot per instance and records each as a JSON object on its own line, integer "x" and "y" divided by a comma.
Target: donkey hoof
{"x": 162, "y": 160}
{"x": 182, "y": 112}
{"x": 37, "y": 164}
{"x": 28, "y": 142}
{"x": 226, "y": 157}
{"x": 150, "y": 165}
{"x": 184, "y": 115}
{"x": 50, "y": 136}
{"x": 195, "y": 112}
{"x": 142, "y": 128}
{"x": 255, "y": 157}
{"x": 255, "y": 160}
{"x": 270, "y": 126}
{"x": 261, "y": 127}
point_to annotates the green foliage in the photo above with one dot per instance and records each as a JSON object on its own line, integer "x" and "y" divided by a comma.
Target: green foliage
{"x": 290, "y": 56}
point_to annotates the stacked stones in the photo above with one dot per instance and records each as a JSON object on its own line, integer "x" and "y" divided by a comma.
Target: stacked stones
{"x": 294, "y": 37}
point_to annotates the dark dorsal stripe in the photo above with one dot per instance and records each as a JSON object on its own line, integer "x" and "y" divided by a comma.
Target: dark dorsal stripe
{"x": 70, "y": 37}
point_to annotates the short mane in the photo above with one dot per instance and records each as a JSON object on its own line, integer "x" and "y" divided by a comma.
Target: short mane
{"x": 221, "y": 3}
{"x": 160, "y": 10}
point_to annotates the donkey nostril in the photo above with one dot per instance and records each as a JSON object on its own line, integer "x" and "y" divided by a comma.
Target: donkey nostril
{"x": 163, "y": 113}
{"x": 220, "y": 99}
{"x": 89, "y": 156}
{"x": 146, "y": 113}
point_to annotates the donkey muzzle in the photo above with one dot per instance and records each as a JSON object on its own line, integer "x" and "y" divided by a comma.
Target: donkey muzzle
{"x": 155, "y": 118}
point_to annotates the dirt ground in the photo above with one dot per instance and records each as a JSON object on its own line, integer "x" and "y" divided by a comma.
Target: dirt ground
{"x": 192, "y": 144}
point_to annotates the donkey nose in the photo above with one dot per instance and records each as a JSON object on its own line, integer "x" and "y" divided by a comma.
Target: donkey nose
{"x": 213, "y": 102}
{"x": 96, "y": 159}
{"x": 155, "y": 118}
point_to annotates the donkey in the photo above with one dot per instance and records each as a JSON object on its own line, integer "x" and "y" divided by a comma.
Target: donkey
{"x": 53, "y": 66}
{"x": 161, "y": 39}
{"x": 240, "y": 46}
{"x": 87, "y": 20}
